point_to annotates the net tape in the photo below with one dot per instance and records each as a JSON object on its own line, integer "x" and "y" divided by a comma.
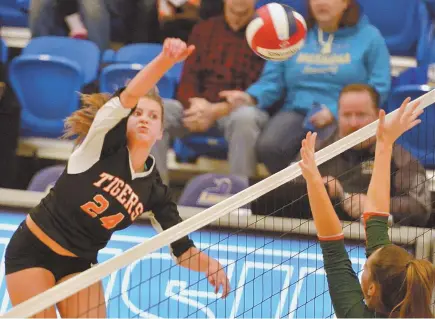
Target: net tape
{"x": 207, "y": 216}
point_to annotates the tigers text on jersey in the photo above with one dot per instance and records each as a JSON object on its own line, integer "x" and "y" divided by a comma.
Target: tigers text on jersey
{"x": 100, "y": 193}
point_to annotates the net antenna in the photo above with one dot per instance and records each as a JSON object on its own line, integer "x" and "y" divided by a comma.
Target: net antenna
{"x": 98, "y": 272}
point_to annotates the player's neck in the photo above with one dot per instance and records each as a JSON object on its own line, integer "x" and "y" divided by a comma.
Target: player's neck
{"x": 138, "y": 157}
{"x": 329, "y": 27}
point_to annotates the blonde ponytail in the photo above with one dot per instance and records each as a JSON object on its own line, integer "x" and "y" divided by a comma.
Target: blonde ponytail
{"x": 79, "y": 122}
{"x": 420, "y": 279}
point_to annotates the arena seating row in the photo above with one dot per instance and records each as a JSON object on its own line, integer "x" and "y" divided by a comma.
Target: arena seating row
{"x": 407, "y": 31}
{"x": 14, "y": 13}
{"x": 117, "y": 67}
{"x": 64, "y": 66}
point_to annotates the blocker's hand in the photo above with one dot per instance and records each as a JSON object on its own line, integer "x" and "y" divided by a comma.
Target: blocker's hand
{"x": 406, "y": 117}
{"x": 310, "y": 171}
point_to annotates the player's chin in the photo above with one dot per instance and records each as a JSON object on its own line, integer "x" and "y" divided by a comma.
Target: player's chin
{"x": 142, "y": 136}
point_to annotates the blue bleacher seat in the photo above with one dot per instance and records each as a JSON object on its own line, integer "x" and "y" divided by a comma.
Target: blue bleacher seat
{"x": 46, "y": 88}
{"x": 3, "y": 51}
{"x": 141, "y": 53}
{"x": 24, "y": 5}
{"x": 209, "y": 189}
{"x": 188, "y": 149}
{"x": 45, "y": 179}
{"x": 420, "y": 141}
{"x": 176, "y": 71}
{"x": 417, "y": 75}
{"x": 115, "y": 76}
{"x": 85, "y": 53}
{"x": 13, "y": 13}
{"x": 209, "y": 144}
{"x": 108, "y": 56}
{"x": 405, "y": 29}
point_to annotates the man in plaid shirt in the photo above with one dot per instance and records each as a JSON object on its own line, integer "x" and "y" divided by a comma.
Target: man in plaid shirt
{"x": 222, "y": 61}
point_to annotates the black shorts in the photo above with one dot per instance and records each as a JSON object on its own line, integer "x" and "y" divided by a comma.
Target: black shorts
{"x": 25, "y": 250}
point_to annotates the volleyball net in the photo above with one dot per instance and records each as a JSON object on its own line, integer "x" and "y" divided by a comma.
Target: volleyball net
{"x": 263, "y": 237}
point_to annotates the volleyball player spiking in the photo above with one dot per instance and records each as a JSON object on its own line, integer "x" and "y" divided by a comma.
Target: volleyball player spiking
{"x": 110, "y": 180}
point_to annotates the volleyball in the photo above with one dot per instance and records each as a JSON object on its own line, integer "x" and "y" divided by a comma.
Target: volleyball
{"x": 277, "y": 32}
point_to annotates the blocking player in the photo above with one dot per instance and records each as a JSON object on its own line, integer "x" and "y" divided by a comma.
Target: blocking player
{"x": 110, "y": 180}
{"x": 394, "y": 283}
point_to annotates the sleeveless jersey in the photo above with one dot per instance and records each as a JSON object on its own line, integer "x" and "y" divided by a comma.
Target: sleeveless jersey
{"x": 99, "y": 192}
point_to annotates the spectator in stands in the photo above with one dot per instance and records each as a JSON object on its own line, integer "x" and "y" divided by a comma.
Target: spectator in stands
{"x": 177, "y": 17}
{"x": 352, "y": 170}
{"x": 149, "y": 24}
{"x": 47, "y": 17}
{"x": 341, "y": 47}
{"x": 210, "y": 8}
{"x": 222, "y": 61}
{"x": 144, "y": 25}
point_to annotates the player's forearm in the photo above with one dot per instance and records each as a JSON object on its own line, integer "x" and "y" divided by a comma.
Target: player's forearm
{"x": 325, "y": 218}
{"x": 145, "y": 80}
{"x": 378, "y": 195}
{"x": 195, "y": 260}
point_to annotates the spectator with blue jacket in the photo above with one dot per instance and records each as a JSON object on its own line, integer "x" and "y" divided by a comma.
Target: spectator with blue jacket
{"x": 341, "y": 48}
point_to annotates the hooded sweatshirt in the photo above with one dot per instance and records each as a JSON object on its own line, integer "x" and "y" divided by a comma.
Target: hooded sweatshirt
{"x": 325, "y": 64}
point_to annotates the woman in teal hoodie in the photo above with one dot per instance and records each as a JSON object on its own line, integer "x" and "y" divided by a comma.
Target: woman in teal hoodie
{"x": 341, "y": 48}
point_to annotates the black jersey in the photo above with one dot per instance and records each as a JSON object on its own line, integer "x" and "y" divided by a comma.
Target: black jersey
{"x": 99, "y": 192}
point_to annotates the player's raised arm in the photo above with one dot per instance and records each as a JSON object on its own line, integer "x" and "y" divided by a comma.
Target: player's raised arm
{"x": 406, "y": 117}
{"x": 345, "y": 290}
{"x": 327, "y": 223}
{"x": 174, "y": 51}
{"x": 377, "y": 204}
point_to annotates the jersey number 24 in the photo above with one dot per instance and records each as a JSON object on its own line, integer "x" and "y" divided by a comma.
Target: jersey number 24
{"x": 98, "y": 206}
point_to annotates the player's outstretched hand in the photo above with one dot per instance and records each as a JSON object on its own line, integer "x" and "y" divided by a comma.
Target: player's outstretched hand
{"x": 403, "y": 120}
{"x": 308, "y": 163}
{"x": 176, "y": 50}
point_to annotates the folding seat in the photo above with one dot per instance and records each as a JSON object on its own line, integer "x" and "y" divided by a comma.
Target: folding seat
{"x": 207, "y": 190}
{"x": 115, "y": 76}
{"x": 47, "y": 89}
{"x": 45, "y": 179}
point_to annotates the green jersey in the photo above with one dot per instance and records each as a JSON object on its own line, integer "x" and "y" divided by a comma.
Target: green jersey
{"x": 344, "y": 287}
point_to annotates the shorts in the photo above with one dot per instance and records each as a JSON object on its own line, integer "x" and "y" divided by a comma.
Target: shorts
{"x": 25, "y": 251}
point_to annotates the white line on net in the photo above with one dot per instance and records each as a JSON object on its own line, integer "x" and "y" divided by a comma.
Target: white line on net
{"x": 98, "y": 272}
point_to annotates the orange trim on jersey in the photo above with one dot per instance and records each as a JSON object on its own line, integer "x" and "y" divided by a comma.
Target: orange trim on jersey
{"x": 43, "y": 237}
{"x": 332, "y": 237}
{"x": 367, "y": 215}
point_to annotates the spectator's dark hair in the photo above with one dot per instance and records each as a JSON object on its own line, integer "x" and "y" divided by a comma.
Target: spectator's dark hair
{"x": 374, "y": 94}
{"x": 349, "y": 19}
